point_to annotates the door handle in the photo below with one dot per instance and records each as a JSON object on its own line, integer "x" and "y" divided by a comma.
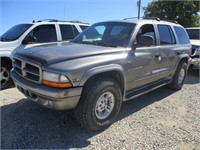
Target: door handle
{"x": 157, "y": 55}
{"x": 178, "y": 52}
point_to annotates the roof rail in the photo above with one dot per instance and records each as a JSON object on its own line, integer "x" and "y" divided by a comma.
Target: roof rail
{"x": 132, "y": 18}
{"x": 49, "y": 20}
{"x": 55, "y": 20}
{"x": 153, "y": 18}
{"x": 173, "y": 21}
{"x": 76, "y": 21}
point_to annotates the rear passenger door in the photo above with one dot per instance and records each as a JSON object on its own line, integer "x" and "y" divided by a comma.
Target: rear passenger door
{"x": 168, "y": 48}
{"x": 68, "y": 32}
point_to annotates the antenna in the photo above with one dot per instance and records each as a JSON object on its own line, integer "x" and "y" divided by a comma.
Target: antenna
{"x": 64, "y": 13}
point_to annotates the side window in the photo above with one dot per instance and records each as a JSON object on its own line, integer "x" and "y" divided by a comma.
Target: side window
{"x": 68, "y": 32}
{"x": 182, "y": 35}
{"x": 75, "y": 31}
{"x": 166, "y": 35}
{"x": 83, "y": 27}
{"x": 172, "y": 35}
{"x": 44, "y": 33}
{"x": 146, "y": 29}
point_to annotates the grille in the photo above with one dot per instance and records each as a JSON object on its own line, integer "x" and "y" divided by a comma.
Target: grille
{"x": 27, "y": 70}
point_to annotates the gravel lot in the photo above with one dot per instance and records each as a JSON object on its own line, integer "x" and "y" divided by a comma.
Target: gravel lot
{"x": 162, "y": 119}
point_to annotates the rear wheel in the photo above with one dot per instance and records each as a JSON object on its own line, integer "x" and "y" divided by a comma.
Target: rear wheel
{"x": 179, "y": 76}
{"x": 100, "y": 104}
{"x": 5, "y": 78}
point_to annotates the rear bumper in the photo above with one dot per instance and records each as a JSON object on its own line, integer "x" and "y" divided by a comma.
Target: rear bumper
{"x": 59, "y": 99}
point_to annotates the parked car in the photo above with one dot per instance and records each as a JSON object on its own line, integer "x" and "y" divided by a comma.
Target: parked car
{"x": 26, "y": 35}
{"x": 106, "y": 64}
{"x": 194, "y": 34}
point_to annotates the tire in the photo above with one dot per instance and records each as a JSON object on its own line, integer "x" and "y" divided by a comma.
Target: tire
{"x": 90, "y": 109}
{"x": 178, "y": 81}
{"x": 5, "y": 78}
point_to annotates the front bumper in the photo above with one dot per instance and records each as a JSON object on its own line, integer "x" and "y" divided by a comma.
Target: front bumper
{"x": 195, "y": 62}
{"x": 195, "y": 57}
{"x": 59, "y": 99}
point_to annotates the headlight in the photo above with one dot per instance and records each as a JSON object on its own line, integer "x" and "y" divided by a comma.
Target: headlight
{"x": 55, "y": 80}
{"x": 196, "y": 51}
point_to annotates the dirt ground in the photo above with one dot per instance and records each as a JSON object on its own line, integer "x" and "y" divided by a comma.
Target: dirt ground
{"x": 162, "y": 119}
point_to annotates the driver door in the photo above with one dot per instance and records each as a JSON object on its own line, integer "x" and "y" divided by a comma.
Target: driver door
{"x": 44, "y": 34}
{"x": 143, "y": 63}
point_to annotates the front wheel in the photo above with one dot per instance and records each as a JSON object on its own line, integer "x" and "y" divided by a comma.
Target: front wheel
{"x": 179, "y": 76}
{"x": 100, "y": 104}
{"x": 5, "y": 78}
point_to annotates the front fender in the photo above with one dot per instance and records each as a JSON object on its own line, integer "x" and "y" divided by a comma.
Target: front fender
{"x": 5, "y": 53}
{"x": 102, "y": 69}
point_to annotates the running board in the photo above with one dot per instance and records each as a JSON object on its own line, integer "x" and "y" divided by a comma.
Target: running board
{"x": 146, "y": 89}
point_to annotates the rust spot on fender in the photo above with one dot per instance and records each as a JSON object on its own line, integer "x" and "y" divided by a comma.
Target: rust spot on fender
{"x": 66, "y": 93}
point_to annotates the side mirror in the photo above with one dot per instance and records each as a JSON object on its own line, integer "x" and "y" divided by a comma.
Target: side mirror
{"x": 29, "y": 40}
{"x": 145, "y": 40}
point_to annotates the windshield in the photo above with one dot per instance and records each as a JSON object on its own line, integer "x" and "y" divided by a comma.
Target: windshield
{"x": 15, "y": 32}
{"x": 193, "y": 33}
{"x": 110, "y": 34}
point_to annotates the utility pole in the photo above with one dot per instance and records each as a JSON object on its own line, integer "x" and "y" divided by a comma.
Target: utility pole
{"x": 139, "y": 5}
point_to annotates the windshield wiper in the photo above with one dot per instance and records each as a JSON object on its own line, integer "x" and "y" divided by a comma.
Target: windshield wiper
{"x": 95, "y": 43}
{"x": 4, "y": 39}
{"x": 106, "y": 44}
{"x": 83, "y": 42}
{"x": 72, "y": 41}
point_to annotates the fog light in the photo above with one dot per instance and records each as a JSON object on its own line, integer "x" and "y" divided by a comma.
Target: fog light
{"x": 48, "y": 103}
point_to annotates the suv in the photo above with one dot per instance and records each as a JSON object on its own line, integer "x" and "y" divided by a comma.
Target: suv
{"x": 33, "y": 34}
{"x": 194, "y": 34}
{"x": 108, "y": 63}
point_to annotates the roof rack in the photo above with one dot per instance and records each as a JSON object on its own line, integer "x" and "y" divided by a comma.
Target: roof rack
{"x": 132, "y": 18}
{"x": 173, "y": 21}
{"x": 49, "y": 20}
{"x": 153, "y": 18}
{"x": 55, "y": 20}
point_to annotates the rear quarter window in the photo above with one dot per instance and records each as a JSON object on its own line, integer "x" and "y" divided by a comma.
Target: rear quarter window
{"x": 83, "y": 27}
{"x": 182, "y": 35}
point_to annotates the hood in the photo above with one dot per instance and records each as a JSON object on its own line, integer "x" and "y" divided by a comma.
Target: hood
{"x": 10, "y": 45}
{"x": 54, "y": 53}
{"x": 195, "y": 42}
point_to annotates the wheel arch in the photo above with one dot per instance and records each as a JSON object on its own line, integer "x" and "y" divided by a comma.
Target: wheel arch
{"x": 7, "y": 60}
{"x": 115, "y": 72}
{"x": 185, "y": 58}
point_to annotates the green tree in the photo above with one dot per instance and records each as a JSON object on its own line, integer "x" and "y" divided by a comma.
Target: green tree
{"x": 184, "y": 12}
